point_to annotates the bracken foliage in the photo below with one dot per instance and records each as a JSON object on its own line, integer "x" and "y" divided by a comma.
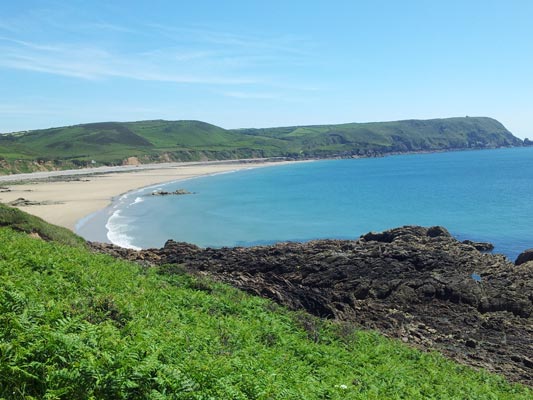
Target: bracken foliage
{"x": 76, "y": 325}
{"x": 24, "y": 222}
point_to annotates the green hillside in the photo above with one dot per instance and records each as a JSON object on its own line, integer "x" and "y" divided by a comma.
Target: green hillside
{"x": 23, "y": 222}
{"x": 111, "y": 143}
{"x": 397, "y": 136}
{"x": 77, "y": 325}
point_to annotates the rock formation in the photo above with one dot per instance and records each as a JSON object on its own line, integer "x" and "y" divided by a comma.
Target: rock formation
{"x": 524, "y": 257}
{"x": 22, "y": 202}
{"x": 417, "y": 284}
{"x": 178, "y": 192}
{"x": 481, "y": 246}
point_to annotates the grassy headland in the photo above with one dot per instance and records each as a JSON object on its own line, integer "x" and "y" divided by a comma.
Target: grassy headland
{"x": 112, "y": 143}
{"x": 74, "y": 324}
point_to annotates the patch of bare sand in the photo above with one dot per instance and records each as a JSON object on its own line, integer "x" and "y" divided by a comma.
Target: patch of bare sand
{"x": 66, "y": 202}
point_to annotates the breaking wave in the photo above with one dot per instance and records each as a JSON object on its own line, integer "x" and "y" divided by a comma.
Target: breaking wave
{"x": 117, "y": 231}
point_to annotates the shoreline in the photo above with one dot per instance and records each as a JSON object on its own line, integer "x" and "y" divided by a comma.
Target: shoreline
{"x": 74, "y": 198}
{"x": 78, "y": 196}
{"x": 69, "y": 174}
{"x": 93, "y": 227}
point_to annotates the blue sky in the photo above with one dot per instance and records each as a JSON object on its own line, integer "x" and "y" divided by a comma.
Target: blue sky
{"x": 264, "y": 63}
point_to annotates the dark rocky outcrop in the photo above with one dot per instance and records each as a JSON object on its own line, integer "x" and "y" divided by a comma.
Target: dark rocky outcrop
{"x": 524, "y": 257}
{"x": 481, "y": 246}
{"x": 413, "y": 283}
{"x": 178, "y": 192}
{"x": 22, "y": 202}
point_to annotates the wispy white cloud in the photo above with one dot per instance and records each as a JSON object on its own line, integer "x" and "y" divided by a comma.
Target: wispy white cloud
{"x": 177, "y": 54}
{"x": 30, "y": 45}
{"x": 251, "y": 42}
{"x": 237, "y": 51}
{"x": 95, "y": 63}
{"x": 188, "y": 55}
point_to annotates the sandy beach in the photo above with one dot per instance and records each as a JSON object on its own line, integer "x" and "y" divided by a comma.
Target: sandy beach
{"x": 65, "y": 202}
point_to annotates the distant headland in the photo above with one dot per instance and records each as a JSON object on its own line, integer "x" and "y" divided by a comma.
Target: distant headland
{"x": 132, "y": 143}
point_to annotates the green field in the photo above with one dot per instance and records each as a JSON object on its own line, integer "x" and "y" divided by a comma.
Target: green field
{"x": 110, "y": 143}
{"x": 77, "y": 325}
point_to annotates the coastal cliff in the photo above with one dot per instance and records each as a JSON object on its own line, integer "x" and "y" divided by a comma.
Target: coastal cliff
{"x": 417, "y": 284}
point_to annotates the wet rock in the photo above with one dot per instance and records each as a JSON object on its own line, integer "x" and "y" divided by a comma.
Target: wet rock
{"x": 481, "y": 246}
{"x": 178, "y": 192}
{"x": 22, "y": 202}
{"x": 436, "y": 231}
{"x": 406, "y": 232}
{"x": 524, "y": 257}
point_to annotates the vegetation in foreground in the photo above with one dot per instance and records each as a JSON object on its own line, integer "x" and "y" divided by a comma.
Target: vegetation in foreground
{"x": 77, "y": 325}
{"x": 112, "y": 143}
{"x": 24, "y": 222}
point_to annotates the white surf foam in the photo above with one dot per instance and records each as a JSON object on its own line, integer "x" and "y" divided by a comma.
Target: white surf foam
{"x": 137, "y": 201}
{"x": 117, "y": 231}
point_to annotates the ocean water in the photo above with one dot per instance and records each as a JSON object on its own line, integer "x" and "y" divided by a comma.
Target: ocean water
{"x": 478, "y": 195}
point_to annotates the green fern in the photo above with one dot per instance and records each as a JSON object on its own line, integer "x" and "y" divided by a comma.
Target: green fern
{"x": 75, "y": 325}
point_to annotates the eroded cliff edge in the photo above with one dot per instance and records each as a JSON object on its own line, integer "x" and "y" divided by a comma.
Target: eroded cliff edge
{"x": 417, "y": 284}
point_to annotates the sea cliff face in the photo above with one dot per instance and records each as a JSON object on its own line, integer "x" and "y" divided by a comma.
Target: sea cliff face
{"x": 417, "y": 284}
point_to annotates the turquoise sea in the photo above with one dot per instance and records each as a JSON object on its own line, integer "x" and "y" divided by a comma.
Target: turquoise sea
{"x": 479, "y": 195}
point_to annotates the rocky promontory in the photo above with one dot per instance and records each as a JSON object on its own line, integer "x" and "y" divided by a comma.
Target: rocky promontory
{"x": 417, "y": 284}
